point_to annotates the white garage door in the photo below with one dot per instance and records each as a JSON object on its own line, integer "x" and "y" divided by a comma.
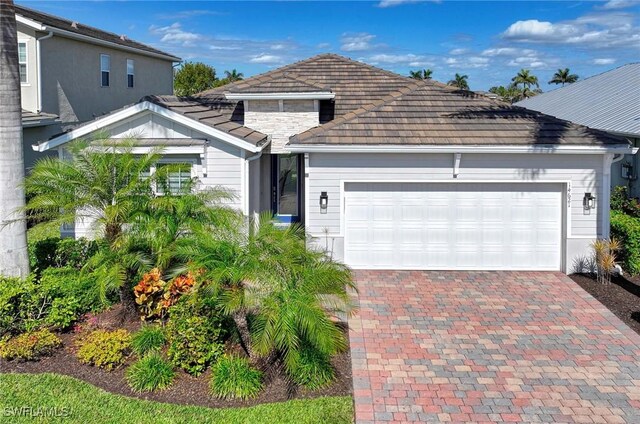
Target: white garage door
{"x": 484, "y": 226}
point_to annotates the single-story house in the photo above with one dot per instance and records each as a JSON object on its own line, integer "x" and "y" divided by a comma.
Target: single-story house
{"x": 387, "y": 172}
{"x": 610, "y": 102}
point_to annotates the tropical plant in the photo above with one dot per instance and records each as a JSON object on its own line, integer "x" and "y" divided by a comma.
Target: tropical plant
{"x": 194, "y": 334}
{"x": 605, "y": 258}
{"x": 233, "y": 377}
{"x": 233, "y": 75}
{"x": 192, "y": 78}
{"x": 150, "y": 338}
{"x": 424, "y": 74}
{"x": 626, "y": 228}
{"x": 103, "y": 348}
{"x": 269, "y": 274}
{"x": 460, "y": 81}
{"x": 563, "y": 76}
{"x": 313, "y": 370}
{"x": 509, "y": 94}
{"x": 150, "y": 373}
{"x": 14, "y": 259}
{"x": 30, "y": 345}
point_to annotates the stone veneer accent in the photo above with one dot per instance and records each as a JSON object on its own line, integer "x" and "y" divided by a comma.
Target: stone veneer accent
{"x": 281, "y": 119}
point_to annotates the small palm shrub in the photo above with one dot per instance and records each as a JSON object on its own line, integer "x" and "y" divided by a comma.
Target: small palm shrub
{"x": 148, "y": 339}
{"x": 312, "y": 370}
{"x": 150, "y": 373}
{"x": 104, "y": 349}
{"x": 30, "y": 345}
{"x": 194, "y": 335}
{"x": 233, "y": 377}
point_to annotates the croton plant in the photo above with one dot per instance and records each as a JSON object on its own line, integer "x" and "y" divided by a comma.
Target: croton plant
{"x": 155, "y": 295}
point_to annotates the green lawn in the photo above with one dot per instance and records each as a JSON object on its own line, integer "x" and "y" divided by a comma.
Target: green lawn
{"x": 88, "y": 404}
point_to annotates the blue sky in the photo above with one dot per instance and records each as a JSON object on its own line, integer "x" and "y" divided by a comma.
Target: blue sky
{"x": 488, "y": 41}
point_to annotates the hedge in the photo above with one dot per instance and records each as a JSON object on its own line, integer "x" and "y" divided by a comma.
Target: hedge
{"x": 626, "y": 229}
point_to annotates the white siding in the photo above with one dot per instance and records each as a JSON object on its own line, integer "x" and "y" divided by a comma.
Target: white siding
{"x": 328, "y": 171}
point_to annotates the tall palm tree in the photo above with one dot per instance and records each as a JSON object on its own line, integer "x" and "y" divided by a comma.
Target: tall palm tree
{"x": 421, "y": 74}
{"x": 14, "y": 260}
{"x": 526, "y": 79}
{"x": 233, "y": 75}
{"x": 460, "y": 81}
{"x": 563, "y": 76}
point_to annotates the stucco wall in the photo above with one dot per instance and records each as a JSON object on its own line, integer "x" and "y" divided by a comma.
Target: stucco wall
{"x": 281, "y": 119}
{"x": 71, "y": 79}
{"x": 327, "y": 171}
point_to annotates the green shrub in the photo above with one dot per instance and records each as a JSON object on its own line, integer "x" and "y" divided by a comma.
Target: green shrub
{"x": 29, "y": 346}
{"x": 63, "y": 312}
{"x": 195, "y": 336}
{"x": 42, "y": 253}
{"x": 148, "y": 339}
{"x": 69, "y": 282}
{"x": 313, "y": 369}
{"x": 150, "y": 373}
{"x": 234, "y": 378}
{"x": 17, "y": 302}
{"x": 626, "y": 229}
{"x": 104, "y": 349}
{"x": 57, "y": 252}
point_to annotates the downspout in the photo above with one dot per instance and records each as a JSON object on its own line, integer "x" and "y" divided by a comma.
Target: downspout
{"x": 39, "y": 79}
{"x": 609, "y": 160}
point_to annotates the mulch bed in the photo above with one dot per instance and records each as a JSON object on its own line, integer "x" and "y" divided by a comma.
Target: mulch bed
{"x": 622, "y": 296}
{"x": 186, "y": 389}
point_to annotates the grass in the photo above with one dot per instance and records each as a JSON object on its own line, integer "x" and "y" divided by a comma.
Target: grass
{"x": 88, "y": 404}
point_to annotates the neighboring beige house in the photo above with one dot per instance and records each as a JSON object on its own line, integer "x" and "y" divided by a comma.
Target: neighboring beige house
{"x": 610, "y": 102}
{"x": 72, "y": 73}
{"x": 385, "y": 171}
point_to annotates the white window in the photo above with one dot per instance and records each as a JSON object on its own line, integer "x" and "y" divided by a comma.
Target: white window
{"x": 130, "y": 73}
{"x": 105, "y": 69}
{"x": 177, "y": 180}
{"x": 22, "y": 60}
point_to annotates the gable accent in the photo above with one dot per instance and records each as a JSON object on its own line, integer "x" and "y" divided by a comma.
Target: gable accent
{"x": 120, "y": 115}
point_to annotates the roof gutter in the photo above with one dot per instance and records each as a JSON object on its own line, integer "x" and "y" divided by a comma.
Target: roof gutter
{"x": 39, "y": 76}
{"x": 540, "y": 149}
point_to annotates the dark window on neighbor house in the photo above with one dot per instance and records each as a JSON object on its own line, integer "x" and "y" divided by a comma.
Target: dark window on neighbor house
{"x": 105, "y": 69}
{"x": 22, "y": 60}
{"x": 130, "y": 73}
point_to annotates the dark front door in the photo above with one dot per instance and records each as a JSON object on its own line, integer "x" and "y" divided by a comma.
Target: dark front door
{"x": 285, "y": 187}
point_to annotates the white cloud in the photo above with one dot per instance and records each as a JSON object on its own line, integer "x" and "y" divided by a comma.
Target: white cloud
{"x": 604, "y": 61}
{"x": 356, "y": 42}
{"x": 456, "y": 52}
{"x": 531, "y": 62}
{"x": 508, "y": 52}
{"x": 617, "y": 4}
{"x": 266, "y": 59}
{"x": 410, "y": 59}
{"x": 392, "y": 3}
{"x": 278, "y": 46}
{"x": 323, "y": 45}
{"x": 186, "y": 14}
{"x": 467, "y": 62}
{"x": 174, "y": 34}
{"x": 597, "y": 30}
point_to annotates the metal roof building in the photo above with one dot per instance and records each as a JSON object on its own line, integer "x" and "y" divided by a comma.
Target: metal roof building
{"x": 609, "y": 101}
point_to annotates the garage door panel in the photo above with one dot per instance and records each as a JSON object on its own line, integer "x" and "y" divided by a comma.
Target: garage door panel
{"x": 448, "y": 226}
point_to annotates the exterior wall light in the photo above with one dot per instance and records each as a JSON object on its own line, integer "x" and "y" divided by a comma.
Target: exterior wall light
{"x": 627, "y": 171}
{"x": 324, "y": 202}
{"x": 588, "y": 202}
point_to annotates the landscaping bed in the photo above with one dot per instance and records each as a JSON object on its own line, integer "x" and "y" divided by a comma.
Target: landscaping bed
{"x": 185, "y": 389}
{"x": 622, "y": 296}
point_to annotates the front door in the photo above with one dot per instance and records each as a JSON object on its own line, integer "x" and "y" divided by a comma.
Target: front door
{"x": 285, "y": 187}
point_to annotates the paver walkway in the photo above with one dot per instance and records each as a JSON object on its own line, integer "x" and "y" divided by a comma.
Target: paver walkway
{"x": 489, "y": 347}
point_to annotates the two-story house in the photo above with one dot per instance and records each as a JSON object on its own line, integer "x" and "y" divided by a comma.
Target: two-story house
{"x": 71, "y": 73}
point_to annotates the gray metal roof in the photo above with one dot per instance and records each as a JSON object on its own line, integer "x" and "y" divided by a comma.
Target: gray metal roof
{"x": 609, "y": 101}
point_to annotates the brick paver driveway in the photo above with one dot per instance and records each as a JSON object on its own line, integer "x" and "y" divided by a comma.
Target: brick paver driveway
{"x": 487, "y": 347}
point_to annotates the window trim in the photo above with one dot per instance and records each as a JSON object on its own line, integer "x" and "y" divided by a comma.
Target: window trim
{"x": 132, "y": 74}
{"x": 25, "y": 63}
{"x": 169, "y": 161}
{"x": 108, "y": 71}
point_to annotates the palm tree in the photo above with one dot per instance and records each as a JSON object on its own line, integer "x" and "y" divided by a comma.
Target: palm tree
{"x": 526, "y": 79}
{"x": 233, "y": 75}
{"x": 563, "y": 76}
{"x": 459, "y": 81}
{"x": 268, "y": 273}
{"x": 424, "y": 74}
{"x": 14, "y": 260}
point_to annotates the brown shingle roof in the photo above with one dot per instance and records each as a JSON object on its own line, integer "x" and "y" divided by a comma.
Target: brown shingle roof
{"x": 214, "y": 111}
{"x": 277, "y": 83}
{"x": 430, "y": 113}
{"x": 80, "y": 29}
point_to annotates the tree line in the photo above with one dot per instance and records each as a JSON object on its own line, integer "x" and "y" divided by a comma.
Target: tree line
{"x": 195, "y": 77}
